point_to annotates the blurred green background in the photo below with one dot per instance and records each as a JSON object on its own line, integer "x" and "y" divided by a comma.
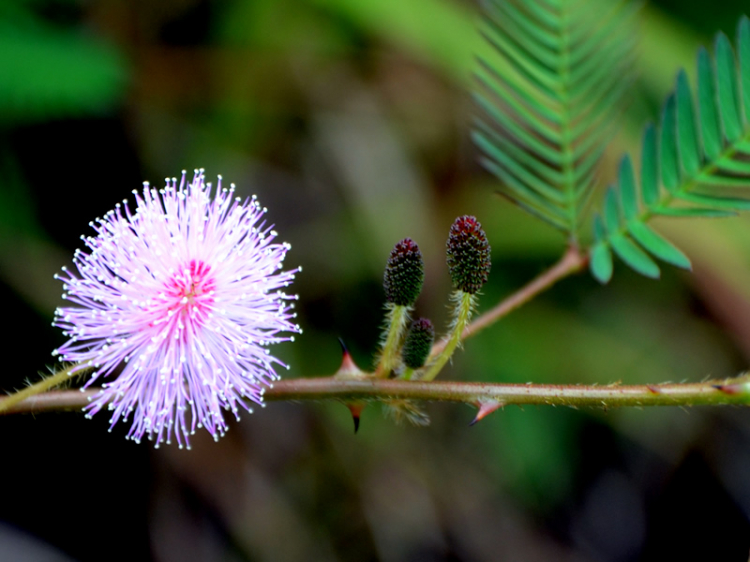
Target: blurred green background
{"x": 349, "y": 119}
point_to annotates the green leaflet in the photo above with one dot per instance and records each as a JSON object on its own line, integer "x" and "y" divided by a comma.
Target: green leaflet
{"x": 657, "y": 245}
{"x": 649, "y": 167}
{"x": 709, "y": 118}
{"x": 743, "y": 50}
{"x": 696, "y": 165}
{"x": 726, "y": 82}
{"x": 632, "y": 255}
{"x": 686, "y": 130}
{"x": 669, "y": 162}
{"x": 628, "y": 195}
{"x": 549, "y": 99}
{"x": 600, "y": 256}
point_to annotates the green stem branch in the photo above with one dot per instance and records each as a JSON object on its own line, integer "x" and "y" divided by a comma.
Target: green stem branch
{"x": 31, "y": 399}
{"x": 729, "y": 391}
{"x": 571, "y": 262}
{"x": 9, "y": 402}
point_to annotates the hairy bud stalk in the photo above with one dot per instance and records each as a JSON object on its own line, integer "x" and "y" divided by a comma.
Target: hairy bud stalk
{"x": 464, "y": 305}
{"x": 468, "y": 258}
{"x": 402, "y": 283}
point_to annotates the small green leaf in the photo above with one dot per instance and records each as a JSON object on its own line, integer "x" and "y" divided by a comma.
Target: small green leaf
{"x": 600, "y": 263}
{"x": 518, "y": 161}
{"x": 649, "y": 167}
{"x": 535, "y": 115}
{"x": 600, "y": 233}
{"x": 719, "y": 180}
{"x": 658, "y": 245}
{"x": 634, "y": 256}
{"x": 519, "y": 194}
{"x": 670, "y": 169}
{"x": 686, "y": 132}
{"x": 691, "y": 212}
{"x": 730, "y": 203}
{"x": 531, "y": 70}
{"x": 611, "y": 211}
{"x": 707, "y": 106}
{"x": 628, "y": 195}
{"x": 734, "y": 166}
{"x": 726, "y": 79}
{"x": 600, "y": 259}
{"x": 505, "y": 121}
{"x": 519, "y": 189}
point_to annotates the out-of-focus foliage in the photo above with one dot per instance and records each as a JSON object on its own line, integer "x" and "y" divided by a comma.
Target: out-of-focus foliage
{"x": 50, "y": 72}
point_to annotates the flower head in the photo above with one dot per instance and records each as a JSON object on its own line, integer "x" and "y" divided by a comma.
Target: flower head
{"x": 404, "y": 273}
{"x": 468, "y": 254}
{"x": 185, "y": 292}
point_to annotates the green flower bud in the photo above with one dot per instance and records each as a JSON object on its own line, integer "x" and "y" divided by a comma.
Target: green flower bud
{"x": 404, "y": 273}
{"x": 468, "y": 255}
{"x": 418, "y": 343}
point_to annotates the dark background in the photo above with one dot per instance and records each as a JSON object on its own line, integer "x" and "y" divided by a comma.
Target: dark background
{"x": 350, "y": 121}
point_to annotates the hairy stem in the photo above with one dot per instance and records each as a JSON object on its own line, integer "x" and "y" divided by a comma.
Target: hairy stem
{"x": 8, "y": 402}
{"x": 717, "y": 392}
{"x": 572, "y": 261}
{"x": 464, "y": 304}
{"x": 397, "y": 318}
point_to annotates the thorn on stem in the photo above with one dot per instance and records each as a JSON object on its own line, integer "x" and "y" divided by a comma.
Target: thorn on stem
{"x": 485, "y": 409}
{"x": 348, "y": 366}
{"x": 356, "y": 410}
{"x": 344, "y": 349}
{"x": 653, "y": 388}
{"x": 730, "y": 388}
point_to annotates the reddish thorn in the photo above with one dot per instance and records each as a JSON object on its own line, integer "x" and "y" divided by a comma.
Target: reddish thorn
{"x": 344, "y": 349}
{"x": 347, "y": 363}
{"x": 653, "y": 388}
{"x": 485, "y": 409}
{"x": 356, "y": 410}
{"x": 730, "y": 388}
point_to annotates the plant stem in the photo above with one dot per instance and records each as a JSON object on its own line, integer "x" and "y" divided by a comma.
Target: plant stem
{"x": 464, "y": 304}
{"x": 8, "y": 402}
{"x": 571, "y": 262}
{"x": 397, "y": 318}
{"x": 718, "y": 392}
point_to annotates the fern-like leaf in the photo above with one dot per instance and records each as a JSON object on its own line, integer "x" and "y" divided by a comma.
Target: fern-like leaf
{"x": 695, "y": 166}
{"x": 548, "y": 99}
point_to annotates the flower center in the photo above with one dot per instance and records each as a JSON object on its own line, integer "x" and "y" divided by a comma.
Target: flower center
{"x": 190, "y": 291}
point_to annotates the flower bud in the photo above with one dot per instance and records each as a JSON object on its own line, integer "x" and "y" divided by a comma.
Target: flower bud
{"x": 468, "y": 254}
{"x": 404, "y": 273}
{"x": 418, "y": 343}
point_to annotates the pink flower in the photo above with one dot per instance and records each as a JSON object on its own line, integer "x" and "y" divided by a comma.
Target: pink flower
{"x": 185, "y": 293}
